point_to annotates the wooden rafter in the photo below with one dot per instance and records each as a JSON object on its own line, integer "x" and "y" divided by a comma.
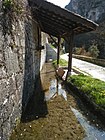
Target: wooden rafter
{"x": 65, "y": 18}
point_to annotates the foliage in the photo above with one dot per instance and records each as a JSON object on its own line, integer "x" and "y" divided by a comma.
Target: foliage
{"x": 94, "y": 88}
{"x": 94, "y": 51}
{"x": 99, "y": 34}
{"x": 62, "y": 62}
{"x": 11, "y": 12}
{"x": 52, "y": 46}
{"x": 52, "y": 41}
{"x": 79, "y": 51}
{"x": 7, "y": 5}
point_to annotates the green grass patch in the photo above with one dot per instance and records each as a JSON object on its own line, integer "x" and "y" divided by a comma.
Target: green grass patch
{"x": 53, "y": 47}
{"x": 62, "y": 62}
{"x": 94, "y": 88}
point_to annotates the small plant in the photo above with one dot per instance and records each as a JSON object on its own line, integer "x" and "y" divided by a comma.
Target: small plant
{"x": 79, "y": 51}
{"x": 62, "y": 62}
{"x": 12, "y": 6}
{"x": 11, "y": 12}
{"x": 7, "y": 5}
{"x": 94, "y": 52}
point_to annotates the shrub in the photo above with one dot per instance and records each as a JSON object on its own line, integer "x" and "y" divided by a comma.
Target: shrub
{"x": 94, "y": 52}
{"x": 80, "y": 51}
{"x": 62, "y": 62}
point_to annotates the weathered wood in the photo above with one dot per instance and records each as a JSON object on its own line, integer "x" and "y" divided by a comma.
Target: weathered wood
{"x": 51, "y": 31}
{"x": 57, "y": 17}
{"x": 54, "y": 29}
{"x": 70, "y": 52}
{"x": 60, "y": 23}
{"x": 63, "y": 13}
{"x": 53, "y": 20}
{"x": 57, "y": 87}
{"x": 58, "y": 51}
{"x": 53, "y": 40}
{"x": 69, "y": 41}
{"x": 56, "y": 25}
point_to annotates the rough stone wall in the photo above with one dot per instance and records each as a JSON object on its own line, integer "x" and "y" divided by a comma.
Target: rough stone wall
{"x": 20, "y": 65}
{"x": 11, "y": 79}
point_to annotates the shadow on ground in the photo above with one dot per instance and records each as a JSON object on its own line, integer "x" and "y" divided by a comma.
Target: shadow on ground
{"x": 36, "y": 107}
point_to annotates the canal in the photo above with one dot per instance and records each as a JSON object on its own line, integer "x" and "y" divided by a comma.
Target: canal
{"x": 57, "y": 114}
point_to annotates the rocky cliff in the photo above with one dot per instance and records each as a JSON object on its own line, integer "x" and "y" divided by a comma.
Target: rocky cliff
{"x": 95, "y": 11}
{"x": 92, "y": 9}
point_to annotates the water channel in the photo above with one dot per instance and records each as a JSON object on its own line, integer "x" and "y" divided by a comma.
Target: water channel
{"x": 61, "y": 115}
{"x": 92, "y": 131}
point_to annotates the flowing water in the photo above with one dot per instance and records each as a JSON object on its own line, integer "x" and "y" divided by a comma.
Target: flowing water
{"x": 92, "y": 132}
{"x": 55, "y": 89}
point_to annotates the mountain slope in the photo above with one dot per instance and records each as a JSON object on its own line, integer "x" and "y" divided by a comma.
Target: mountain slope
{"x": 95, "y": 11}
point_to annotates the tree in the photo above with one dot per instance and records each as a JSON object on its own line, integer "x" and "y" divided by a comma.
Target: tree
{"x": 94, "y": 52}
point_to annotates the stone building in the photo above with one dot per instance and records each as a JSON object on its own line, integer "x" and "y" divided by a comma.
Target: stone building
{"x": 21, "y": 59}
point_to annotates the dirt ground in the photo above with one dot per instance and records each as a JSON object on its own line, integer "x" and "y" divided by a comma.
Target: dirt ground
{"x": 56, "y": 122}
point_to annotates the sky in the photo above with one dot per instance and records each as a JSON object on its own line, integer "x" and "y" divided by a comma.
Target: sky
{"x": 61, "y": 3}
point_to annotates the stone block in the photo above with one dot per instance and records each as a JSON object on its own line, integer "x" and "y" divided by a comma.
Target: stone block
{"x": 19, "y": 79}
{"x": 12, "y": 85}
{"x": 7, "y": 87}
{"x": 20, "y": 90}
{"x": 11, "y": 60}
{"x": 6, "y": 110}
{"x": 3, "y": 90}
{"x": 6, "y": 130}
{"x": 1, "y": 57}
{"x": 3, "y": 73}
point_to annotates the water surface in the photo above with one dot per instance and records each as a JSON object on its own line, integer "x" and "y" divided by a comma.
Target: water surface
{"x": 92, "y": 132}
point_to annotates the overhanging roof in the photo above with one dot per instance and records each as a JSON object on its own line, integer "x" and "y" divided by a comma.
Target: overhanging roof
{"x": 57, "y": 21}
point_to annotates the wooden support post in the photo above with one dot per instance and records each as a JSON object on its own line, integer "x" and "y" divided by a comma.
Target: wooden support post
{"x": 57, "y": 87}
{"x": 58, "y": 51}
{"x": 53, "y": 40}
{"x": 69, "y": 41}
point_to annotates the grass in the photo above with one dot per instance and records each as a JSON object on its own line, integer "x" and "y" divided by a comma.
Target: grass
{"x": 94, "y": 88}
{"x": 62, "y": 62}
{"x": 53, "y": 47}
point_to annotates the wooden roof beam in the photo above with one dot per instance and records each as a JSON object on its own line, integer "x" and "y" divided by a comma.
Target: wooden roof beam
{"x": 46, "y": 17}
{"x": 63, "y": 13}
